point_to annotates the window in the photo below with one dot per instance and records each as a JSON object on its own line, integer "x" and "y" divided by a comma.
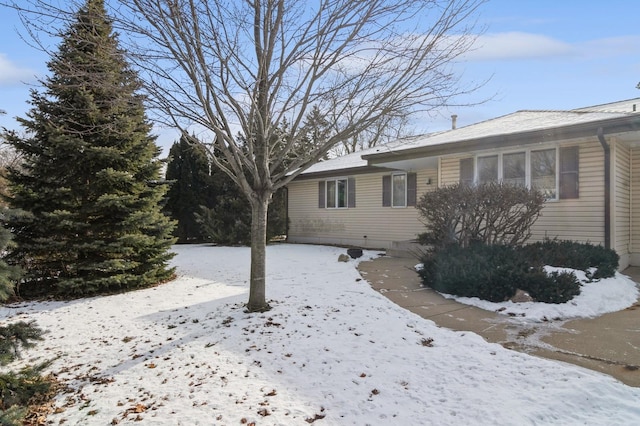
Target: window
{"x": 569, "y": 166}
{"x": 553, "y": 171}
{"x": 543, "y": 172}
{"x": 337, "y": 193}
{"x": 399, "y": 190}
{"x": 514, "y": 168}
{"x": 466, "y": 171}
{"x": 488, "y": 169}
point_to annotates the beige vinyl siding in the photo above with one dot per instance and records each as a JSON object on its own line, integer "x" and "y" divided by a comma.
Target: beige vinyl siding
{"x": 635, "y": 206}
{"x": 450, "y": 170}
{"x": 621, "y": 202}
{"x": 579, "y": 219}
{"x": 367, "y": 225}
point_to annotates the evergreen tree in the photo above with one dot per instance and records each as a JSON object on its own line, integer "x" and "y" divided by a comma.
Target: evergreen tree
{"x": 91, "y": 219}
{"x": 226, "y": 217}
{"x": 17, "y": 388}
{"x": 189, "y": 174}
{"x": 8, "y": 274}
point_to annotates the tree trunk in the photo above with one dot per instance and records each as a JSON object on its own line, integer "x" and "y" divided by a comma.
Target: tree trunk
{"x": 257, "y": 292}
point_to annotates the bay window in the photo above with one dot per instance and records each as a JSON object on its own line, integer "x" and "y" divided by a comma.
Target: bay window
{"x": 552, "y": 171}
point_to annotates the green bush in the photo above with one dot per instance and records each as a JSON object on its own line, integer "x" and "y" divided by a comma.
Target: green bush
{"x": 574, "y": 255}
{"x": 494, "y": 272}
{"x": 488, "y": 272}
{"x": 557, "y": 287}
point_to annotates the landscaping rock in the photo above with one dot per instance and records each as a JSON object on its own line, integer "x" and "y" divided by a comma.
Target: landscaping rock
{"x": 343, "y": 258}
{"x": 354, "y": 253}
{"x": 521, "y": 296}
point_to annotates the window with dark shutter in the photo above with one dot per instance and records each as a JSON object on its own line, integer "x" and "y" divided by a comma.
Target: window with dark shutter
{"x": 569, "y": 166}
{"x": 386, "y": 191}
{"x": 337, "y": 193}
{"x": 466, "y": 171}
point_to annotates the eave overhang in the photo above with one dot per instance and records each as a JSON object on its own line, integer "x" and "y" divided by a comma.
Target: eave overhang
{"x": 619, "y": 127}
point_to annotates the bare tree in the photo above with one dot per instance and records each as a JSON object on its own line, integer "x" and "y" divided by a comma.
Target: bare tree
{"x": 222, "y": 67}
{"x": 9, "y": 158}
{"x": 386, "y": 129}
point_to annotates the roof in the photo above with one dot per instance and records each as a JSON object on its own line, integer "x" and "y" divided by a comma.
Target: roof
{"x": 510, "y": 129}
{"x": 355, "y": 160}
{"x": 629, "y": 105}
{"x": 515, "y": 123}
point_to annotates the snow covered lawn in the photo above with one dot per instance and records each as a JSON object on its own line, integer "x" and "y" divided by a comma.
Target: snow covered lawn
{"x": 332, "y": 351}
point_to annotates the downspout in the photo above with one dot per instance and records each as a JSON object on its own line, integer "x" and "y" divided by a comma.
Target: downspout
{"x": 607, "y": 188}
{"x": 286, "y": 212}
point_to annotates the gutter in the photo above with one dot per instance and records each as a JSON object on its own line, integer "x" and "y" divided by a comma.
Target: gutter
{"x": 607, "y": 188}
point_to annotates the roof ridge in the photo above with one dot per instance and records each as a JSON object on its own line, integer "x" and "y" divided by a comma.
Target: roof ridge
{"x": 608, "y": 103}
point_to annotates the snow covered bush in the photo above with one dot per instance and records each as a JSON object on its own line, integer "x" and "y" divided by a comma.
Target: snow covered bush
{"x": 574, "y": 255}
{"x": 493, "y": 273}
{"x": 554, "y": 287}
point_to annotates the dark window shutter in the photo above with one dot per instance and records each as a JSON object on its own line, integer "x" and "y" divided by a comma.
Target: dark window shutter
{"x": 412, "y": 188}
{"x": 386, "y": 191}
{"x": 466, "y": 171}
{"x": 569, "y": 166}
{"x": 351, "y": 192}
{"x": 321, "y": 195}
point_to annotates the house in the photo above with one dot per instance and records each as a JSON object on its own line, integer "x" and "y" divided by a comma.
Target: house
{"x": 586, "y": 161}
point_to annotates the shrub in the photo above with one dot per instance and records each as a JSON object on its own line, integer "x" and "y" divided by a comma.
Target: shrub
{"x": 551, "y": 288}
{"x": 571, "y": 254}
{"x": 494, "y": 273}
{"x": 491, "y": 213}
{"x": 488, "y": 272}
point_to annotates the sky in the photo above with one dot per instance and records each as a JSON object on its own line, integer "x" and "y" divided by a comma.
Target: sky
{"x": 535, "y": 55}
{"x": 332, "y": 350}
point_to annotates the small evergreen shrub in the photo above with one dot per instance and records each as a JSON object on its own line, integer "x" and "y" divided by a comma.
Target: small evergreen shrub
{"x": 494, "y": 273}
{"x": 489, "y": 272}
{"x": 574, "y": 255}
{"x": 551, "y": 288}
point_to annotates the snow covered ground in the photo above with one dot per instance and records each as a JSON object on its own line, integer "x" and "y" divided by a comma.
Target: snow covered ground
{"x": 332, "y": 351}
{"x": 595, "y": 298}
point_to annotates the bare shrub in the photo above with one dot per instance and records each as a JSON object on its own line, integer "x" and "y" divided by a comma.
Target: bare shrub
{"x": 491, "y": 213}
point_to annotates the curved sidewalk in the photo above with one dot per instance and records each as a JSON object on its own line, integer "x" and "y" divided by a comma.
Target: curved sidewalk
{"x": 609, "y": 343}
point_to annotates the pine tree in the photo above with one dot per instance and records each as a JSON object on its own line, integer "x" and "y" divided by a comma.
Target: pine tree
{"x": 8, "y": 274}
{"x": 226, "y": 218}
{"x": 189, "y": 174}
{"x": 88, "y": 191}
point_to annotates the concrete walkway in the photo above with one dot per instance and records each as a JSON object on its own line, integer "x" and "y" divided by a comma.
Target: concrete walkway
{"x": 609, "y": 343}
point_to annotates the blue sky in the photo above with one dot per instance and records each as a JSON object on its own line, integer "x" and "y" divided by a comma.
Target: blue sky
{"x": 540, "y": 54}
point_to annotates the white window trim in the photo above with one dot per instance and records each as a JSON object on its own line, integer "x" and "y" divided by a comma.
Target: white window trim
{"x": 405, "y": 190}
{"x": 346, "y": 195}
{"x": 527, "y": 152}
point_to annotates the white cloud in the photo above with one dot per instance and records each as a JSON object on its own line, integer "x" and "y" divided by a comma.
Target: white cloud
{"x": 613, "y": 46}
{"x": 11, "y": 74}
{"x": 518, "y": 45}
